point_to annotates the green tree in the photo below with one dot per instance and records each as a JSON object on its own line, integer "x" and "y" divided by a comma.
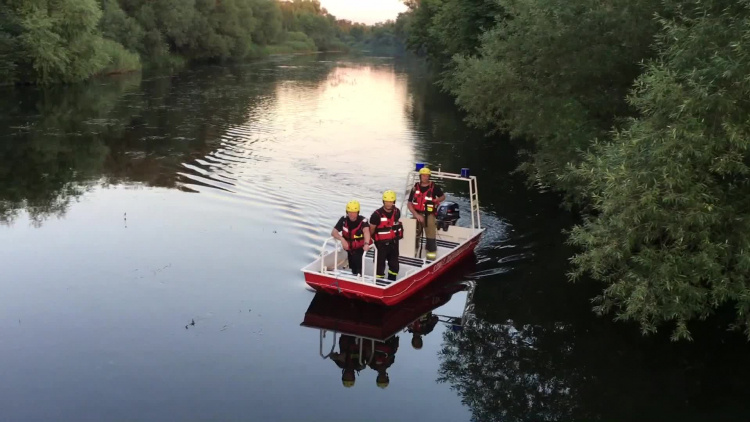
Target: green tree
{"x": 66, "y": 41}
{"x": 671, "y": 233}
{"x": 116, "y": 25}
{"x": 556, "y": 73}
{"x": 318, "y": 28}
{"x": 420, "y": 40}
{"x": 269, "y": 26}
{"x": 7, "y": 51}
{"x": 219, "y": 31}
{"x": 457, "y": 25}
{"x": 309, "y": 17}
{"x": 46, "y": 41}
{"x": 358, "y": 32}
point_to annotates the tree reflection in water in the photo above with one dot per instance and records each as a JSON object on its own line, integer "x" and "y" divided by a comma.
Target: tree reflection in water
{"x": 60, "y": 141}
{"x": 503, "y": 373}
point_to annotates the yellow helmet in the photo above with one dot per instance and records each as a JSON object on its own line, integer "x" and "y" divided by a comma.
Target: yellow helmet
{"x": 348, "y": 384}
{"x": 382, "y": 380}
{"x": 424, "y": 170}
{"x": 389, "y": 195}
{"x": 352, "y": 206}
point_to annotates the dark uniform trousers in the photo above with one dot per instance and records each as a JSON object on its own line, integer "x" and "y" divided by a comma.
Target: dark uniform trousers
{"x": 430, "y": 232}
{"x": 387, "y": 251}
{"x": 355, "y": 260}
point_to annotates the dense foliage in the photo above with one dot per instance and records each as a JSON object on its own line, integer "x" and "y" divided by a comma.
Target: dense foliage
{"x": 638, "y": 111}
{"x": 47, "y": 41}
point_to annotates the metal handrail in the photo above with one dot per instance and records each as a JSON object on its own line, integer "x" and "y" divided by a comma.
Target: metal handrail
{"x": 412, "y": 176}
{"x": 323, "y": 254}
{"x": 372, "y": 351}
{"x": 333, "y": 346}
{"x": 474, "y": 202}
{"x": 471, "y": 202}
{"x": 374, "y": 266}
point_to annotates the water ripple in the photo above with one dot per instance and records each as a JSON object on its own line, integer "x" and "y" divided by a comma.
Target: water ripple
{"x": 305, "y": 152}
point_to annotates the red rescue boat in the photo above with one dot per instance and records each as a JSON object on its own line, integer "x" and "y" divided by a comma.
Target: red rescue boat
{"x": 371, "y": 321}
{"x": 330, "y": 272}
{"x": 368, "y": 334}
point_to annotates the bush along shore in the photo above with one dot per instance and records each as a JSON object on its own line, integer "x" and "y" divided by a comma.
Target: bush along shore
{"x": 637, "y": 111}
{"x": 65, "y": 41}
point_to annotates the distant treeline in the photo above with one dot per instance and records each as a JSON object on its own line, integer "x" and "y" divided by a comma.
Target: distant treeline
{"x": 49, "y": 41}
{"x": 638, "y": 111}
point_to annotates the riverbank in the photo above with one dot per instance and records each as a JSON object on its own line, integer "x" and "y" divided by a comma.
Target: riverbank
{"x": 640, "y": 126}
{"x": 110, "y": 36}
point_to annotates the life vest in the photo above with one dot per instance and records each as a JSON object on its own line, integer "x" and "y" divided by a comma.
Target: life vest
{"x": 349, "y": 347}
{"x": 385, "y": 353}
{"x": 355, "y": 236}
{"x": 424, "y": 325}
{"x": 424, "y": 201}
{"x": 389, "y": 228}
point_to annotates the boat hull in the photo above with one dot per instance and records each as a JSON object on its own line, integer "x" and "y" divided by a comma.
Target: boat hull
{"x": 373, "y": 321}
{"x": 397, "y": 292}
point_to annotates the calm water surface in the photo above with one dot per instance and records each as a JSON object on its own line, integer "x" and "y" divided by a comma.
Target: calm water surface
{"x": 133, "y": 207}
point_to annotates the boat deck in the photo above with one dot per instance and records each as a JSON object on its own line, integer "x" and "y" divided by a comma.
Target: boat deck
{"x": 331, "y": 271}
{"x": 411, "y": 259}
{"x": 409, "y": 264}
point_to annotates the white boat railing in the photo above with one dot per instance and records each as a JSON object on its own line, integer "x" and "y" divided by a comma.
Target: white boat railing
{"x": 474, "y": 198}
{"x": 413, "y": 177}
{"x": 362, "y": 276}
{"x": 361, "y": 341}
{"x": 333, "y": 346}
{"x": 323, "y": 254}
{"x": 374, "y": 265}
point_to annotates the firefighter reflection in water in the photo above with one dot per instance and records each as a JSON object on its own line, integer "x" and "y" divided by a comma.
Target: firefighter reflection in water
{"x": 421, "y": 327}
{"x": 348, "y": 358}
{"x": 385, "y": 355}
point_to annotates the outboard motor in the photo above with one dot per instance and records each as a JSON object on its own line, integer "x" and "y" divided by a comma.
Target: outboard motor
{"x": 447, "y": 215}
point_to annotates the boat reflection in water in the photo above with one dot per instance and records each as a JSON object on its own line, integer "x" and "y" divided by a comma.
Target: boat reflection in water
{"x": 368, "y": 334}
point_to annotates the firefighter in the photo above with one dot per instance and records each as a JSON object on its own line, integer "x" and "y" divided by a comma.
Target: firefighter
{"x": 386, "y": 230}
{"x": 352, "y": 231}
{"x": 384, "y": 357}
{"x": 421, "y": 327}
{"x": 348, "y": 359}
{"x": 423, "y": 203}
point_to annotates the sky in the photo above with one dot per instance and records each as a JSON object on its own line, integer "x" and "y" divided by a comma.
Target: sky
{"x": 365, "y": 11}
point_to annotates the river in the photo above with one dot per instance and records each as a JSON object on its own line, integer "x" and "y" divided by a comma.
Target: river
{"x": 152, "y": 234}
